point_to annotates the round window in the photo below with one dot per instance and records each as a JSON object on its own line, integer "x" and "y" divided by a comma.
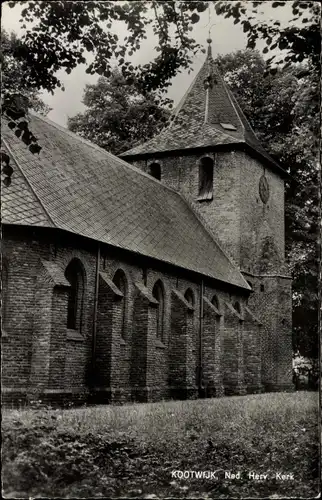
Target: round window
{"x": 263, "y": 189}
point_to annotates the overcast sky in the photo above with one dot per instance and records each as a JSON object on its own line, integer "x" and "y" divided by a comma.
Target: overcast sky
{"x": 227, "y": 37}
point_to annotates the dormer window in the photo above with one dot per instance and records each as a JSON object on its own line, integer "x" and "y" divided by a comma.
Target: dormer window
{"x": 228, "y": 126}
{"x": 206, "y": 177}
{"x": 155, "y": 170}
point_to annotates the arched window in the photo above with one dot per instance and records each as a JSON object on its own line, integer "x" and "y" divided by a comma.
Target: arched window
{"x": 215, "y": 302}
{"x": 158, "y": 294}
{"x": 120, "y": 281}
{"x": 237, "y": 307}
{"x": 189, "y": 297}
{"x": 75, "y": 275}
{"x": 206, "y": 177}
{"x": 155, "y": 170}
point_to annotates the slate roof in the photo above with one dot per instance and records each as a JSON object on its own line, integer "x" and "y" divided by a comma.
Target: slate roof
{"x": 76, "y": 186}
{"x": 198, "y": 118}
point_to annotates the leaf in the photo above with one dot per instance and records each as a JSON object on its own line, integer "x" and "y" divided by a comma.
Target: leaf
{"x": 5, "y": 157}
{"x": 7, "y": 170}
{"x": 7, "y": 181}
{"x": 26, "y": 137}
{"x": 23, "y": 125}
{"x": 246, "y": 26}
{"x": 283, "y": 44}
{"x": 194, "y": 18}
{"x": 35, "y": 148}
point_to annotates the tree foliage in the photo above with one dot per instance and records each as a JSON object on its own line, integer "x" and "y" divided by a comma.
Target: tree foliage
{"x": 13, "y": 75}
{"x": 282, "y": 119}
{"x": 16, "y": 99}
{"x": 64, "y": 33}
{"x": 299, "y": 40}
{"x": 117, "y": 115}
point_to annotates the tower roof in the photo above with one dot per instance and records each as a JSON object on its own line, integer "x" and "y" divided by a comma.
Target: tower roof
{"x": 207, "y": 115}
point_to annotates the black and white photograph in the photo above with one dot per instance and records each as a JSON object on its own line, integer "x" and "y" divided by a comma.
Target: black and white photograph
{"x": 160, "y": 249}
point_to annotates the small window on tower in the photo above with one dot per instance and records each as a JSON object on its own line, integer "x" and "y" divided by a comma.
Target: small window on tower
{"x": 206, "y": 177}
{"x": 155, "y": 170}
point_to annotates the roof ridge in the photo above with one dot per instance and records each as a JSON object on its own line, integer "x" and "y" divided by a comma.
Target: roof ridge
{"x": 240, "y": 111}
{"x": 29, "y": 184}
{"x": 99, "y": 148}
{"x": 261, "y": 150}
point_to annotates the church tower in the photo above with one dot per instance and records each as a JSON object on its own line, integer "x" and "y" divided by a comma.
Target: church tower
{"x": 212, "y": 157}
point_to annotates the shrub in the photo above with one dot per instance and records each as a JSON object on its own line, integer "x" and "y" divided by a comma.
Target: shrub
{"x": 305, "y": 373}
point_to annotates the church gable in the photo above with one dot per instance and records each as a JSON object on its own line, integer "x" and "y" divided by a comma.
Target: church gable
{"x": 89, "y": 192}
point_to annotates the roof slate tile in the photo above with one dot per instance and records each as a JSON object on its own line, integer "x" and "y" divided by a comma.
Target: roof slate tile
{"x": 76, "y": 186}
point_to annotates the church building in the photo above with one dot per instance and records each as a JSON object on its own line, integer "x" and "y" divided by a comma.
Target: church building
{"x": 157, "y": 275}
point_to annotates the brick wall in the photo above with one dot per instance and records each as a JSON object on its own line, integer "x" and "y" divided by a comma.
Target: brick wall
{"x": 252, "y": 233}
{"x": 41, "y": 334}
{"x": 40, "y": 354}
{"x": 212, "y": 350}
{"x": 272, "y": 302}
{"x": 233, "y": 355}
{"x": 182, "y": 366}
{"x": 236, "y": 214}
{"x": 252, "y": 351}
{"x": 22, "y": 262}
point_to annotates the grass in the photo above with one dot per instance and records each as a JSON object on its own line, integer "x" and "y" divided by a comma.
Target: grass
{"x": 131, "y": 451}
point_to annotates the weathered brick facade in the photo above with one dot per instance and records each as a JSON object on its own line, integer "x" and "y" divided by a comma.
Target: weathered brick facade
{"x": 43, "y": 359}
{"x": 119, "y": 287}
{"x": 252, "y": 233}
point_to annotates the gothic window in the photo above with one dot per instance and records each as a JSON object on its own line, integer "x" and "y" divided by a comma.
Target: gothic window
{"x": 237, "y": 307}
{"x": 215, "y": 302}
{"x": 120, "y": 281}
{"x": 189, "y": 297}
{"x": 75, "y": 275}
{"x": 155, "y": 170}
{"x": 158, "y": 294}
{"x": 206, "y": 176}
